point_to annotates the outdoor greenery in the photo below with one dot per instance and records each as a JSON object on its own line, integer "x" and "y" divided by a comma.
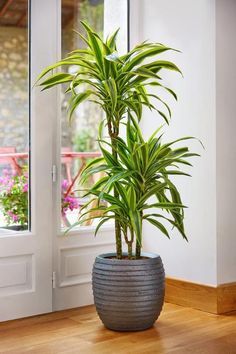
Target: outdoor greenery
{"x": 84, "y": 141}
{"x": 14, "y": 197}
{"x": 134, "y": 169}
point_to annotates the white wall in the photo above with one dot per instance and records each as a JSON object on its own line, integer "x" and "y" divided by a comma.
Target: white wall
{"x": 190, "y": 27}
{"x": 225, "y": 138}
{"x": 204, "y": 31}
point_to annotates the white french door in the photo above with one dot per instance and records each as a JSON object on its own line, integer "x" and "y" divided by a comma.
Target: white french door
{"x": 26, "y": 257}
{"x": 41, "y": 270}
{"x": 74, "y": 254}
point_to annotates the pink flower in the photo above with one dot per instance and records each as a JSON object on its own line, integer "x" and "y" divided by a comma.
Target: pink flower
{"x": 5, "y": 172}
{"x": 14, "y": 217}
{"x": 4, "y": 180}
{"x": 26, "y": 187}
{"x": 69, "y": 202}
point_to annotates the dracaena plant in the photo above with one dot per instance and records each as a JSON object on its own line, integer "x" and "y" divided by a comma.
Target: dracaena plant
{"x": 119, "y": 84}
{"x": 142, "y": 170}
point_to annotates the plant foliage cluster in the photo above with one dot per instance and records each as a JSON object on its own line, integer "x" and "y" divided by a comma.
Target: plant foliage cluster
{"x": 133, "y": 170}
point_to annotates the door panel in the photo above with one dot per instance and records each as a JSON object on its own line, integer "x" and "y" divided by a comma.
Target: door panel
{"x": 75, "y": 256}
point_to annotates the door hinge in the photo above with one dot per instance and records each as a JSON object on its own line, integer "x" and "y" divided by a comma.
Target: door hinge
{"x": 54, "y": 173}
{"x": 53, "y": 280}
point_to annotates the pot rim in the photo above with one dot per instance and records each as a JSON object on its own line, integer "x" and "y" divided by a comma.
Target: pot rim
{"x": 106, "y": 256}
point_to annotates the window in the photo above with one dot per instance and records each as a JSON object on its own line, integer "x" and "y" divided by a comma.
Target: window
{"x": 14, "y": 115}
{"x": 78, "y": 139}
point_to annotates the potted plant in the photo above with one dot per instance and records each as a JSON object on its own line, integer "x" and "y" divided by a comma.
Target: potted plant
{"x": 128, "y": 286}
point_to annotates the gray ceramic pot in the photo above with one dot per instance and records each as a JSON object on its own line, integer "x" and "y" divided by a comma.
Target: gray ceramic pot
{"x": 128, "y": 294}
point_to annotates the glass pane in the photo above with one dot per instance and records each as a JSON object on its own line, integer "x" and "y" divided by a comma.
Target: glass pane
{"x": 79, "y": 139}
{"x": 14, "y": 115}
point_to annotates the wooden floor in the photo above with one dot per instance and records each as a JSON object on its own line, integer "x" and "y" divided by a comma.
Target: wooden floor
{"x": 179, "y": 330}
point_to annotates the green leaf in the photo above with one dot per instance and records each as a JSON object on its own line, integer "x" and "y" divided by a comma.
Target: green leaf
{"x": 136, "y": 223}
{"x": 52, "y": 67}
{"x": 101, "y": 182}
{"x": 115, "y": 178}
{"x": 131, "y": 197}
{"x": 122, "y": 192}
{"x": 94, "y": 170}
{"x": 103, "y": 221}
{"x": 173, "y": 172}
{"x": 159, "y": 225}
{"x": 137, "y": 59}
{"x": 110, "y": 86}
{"x": 146, "y": 73}
{"x": 155, "y": 133}
{"x": 150, "y": 192}
{"x": 164, "y": 206}
{"x": 95, "y": 46}
{"x": 167, "y": 65}
{"x": 111, "y": 41}
{"x": 77, "y": 100}
{"x": 159, "y": 99}
{"x": 109, "y": 157}
{"x": 93, "y": 162}
{"x": 163, "y": 116}
{"x": 56, "y": 79}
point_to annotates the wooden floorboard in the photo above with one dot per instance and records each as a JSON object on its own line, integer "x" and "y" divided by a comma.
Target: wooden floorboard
{"x": 179, "y": 330}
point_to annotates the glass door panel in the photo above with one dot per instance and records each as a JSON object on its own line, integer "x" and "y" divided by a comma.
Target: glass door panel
{"x": 14, "y": 116}
{"x": 78, "y": 139}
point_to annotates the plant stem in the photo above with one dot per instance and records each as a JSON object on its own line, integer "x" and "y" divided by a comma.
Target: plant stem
{"x": 118, "y": 240}
{"x": 139, "y": 243}
{"x": 113, "y": 135}
{"x": 138, "y": 250}
{"x": 130, "y": 254}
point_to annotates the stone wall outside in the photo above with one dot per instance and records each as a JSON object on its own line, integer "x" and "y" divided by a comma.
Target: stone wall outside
{"x": 14, "y": 96}
{"x": 14, "y": 88}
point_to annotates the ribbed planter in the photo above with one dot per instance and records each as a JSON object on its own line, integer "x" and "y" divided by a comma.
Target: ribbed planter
{"x": 128, "y": 294}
